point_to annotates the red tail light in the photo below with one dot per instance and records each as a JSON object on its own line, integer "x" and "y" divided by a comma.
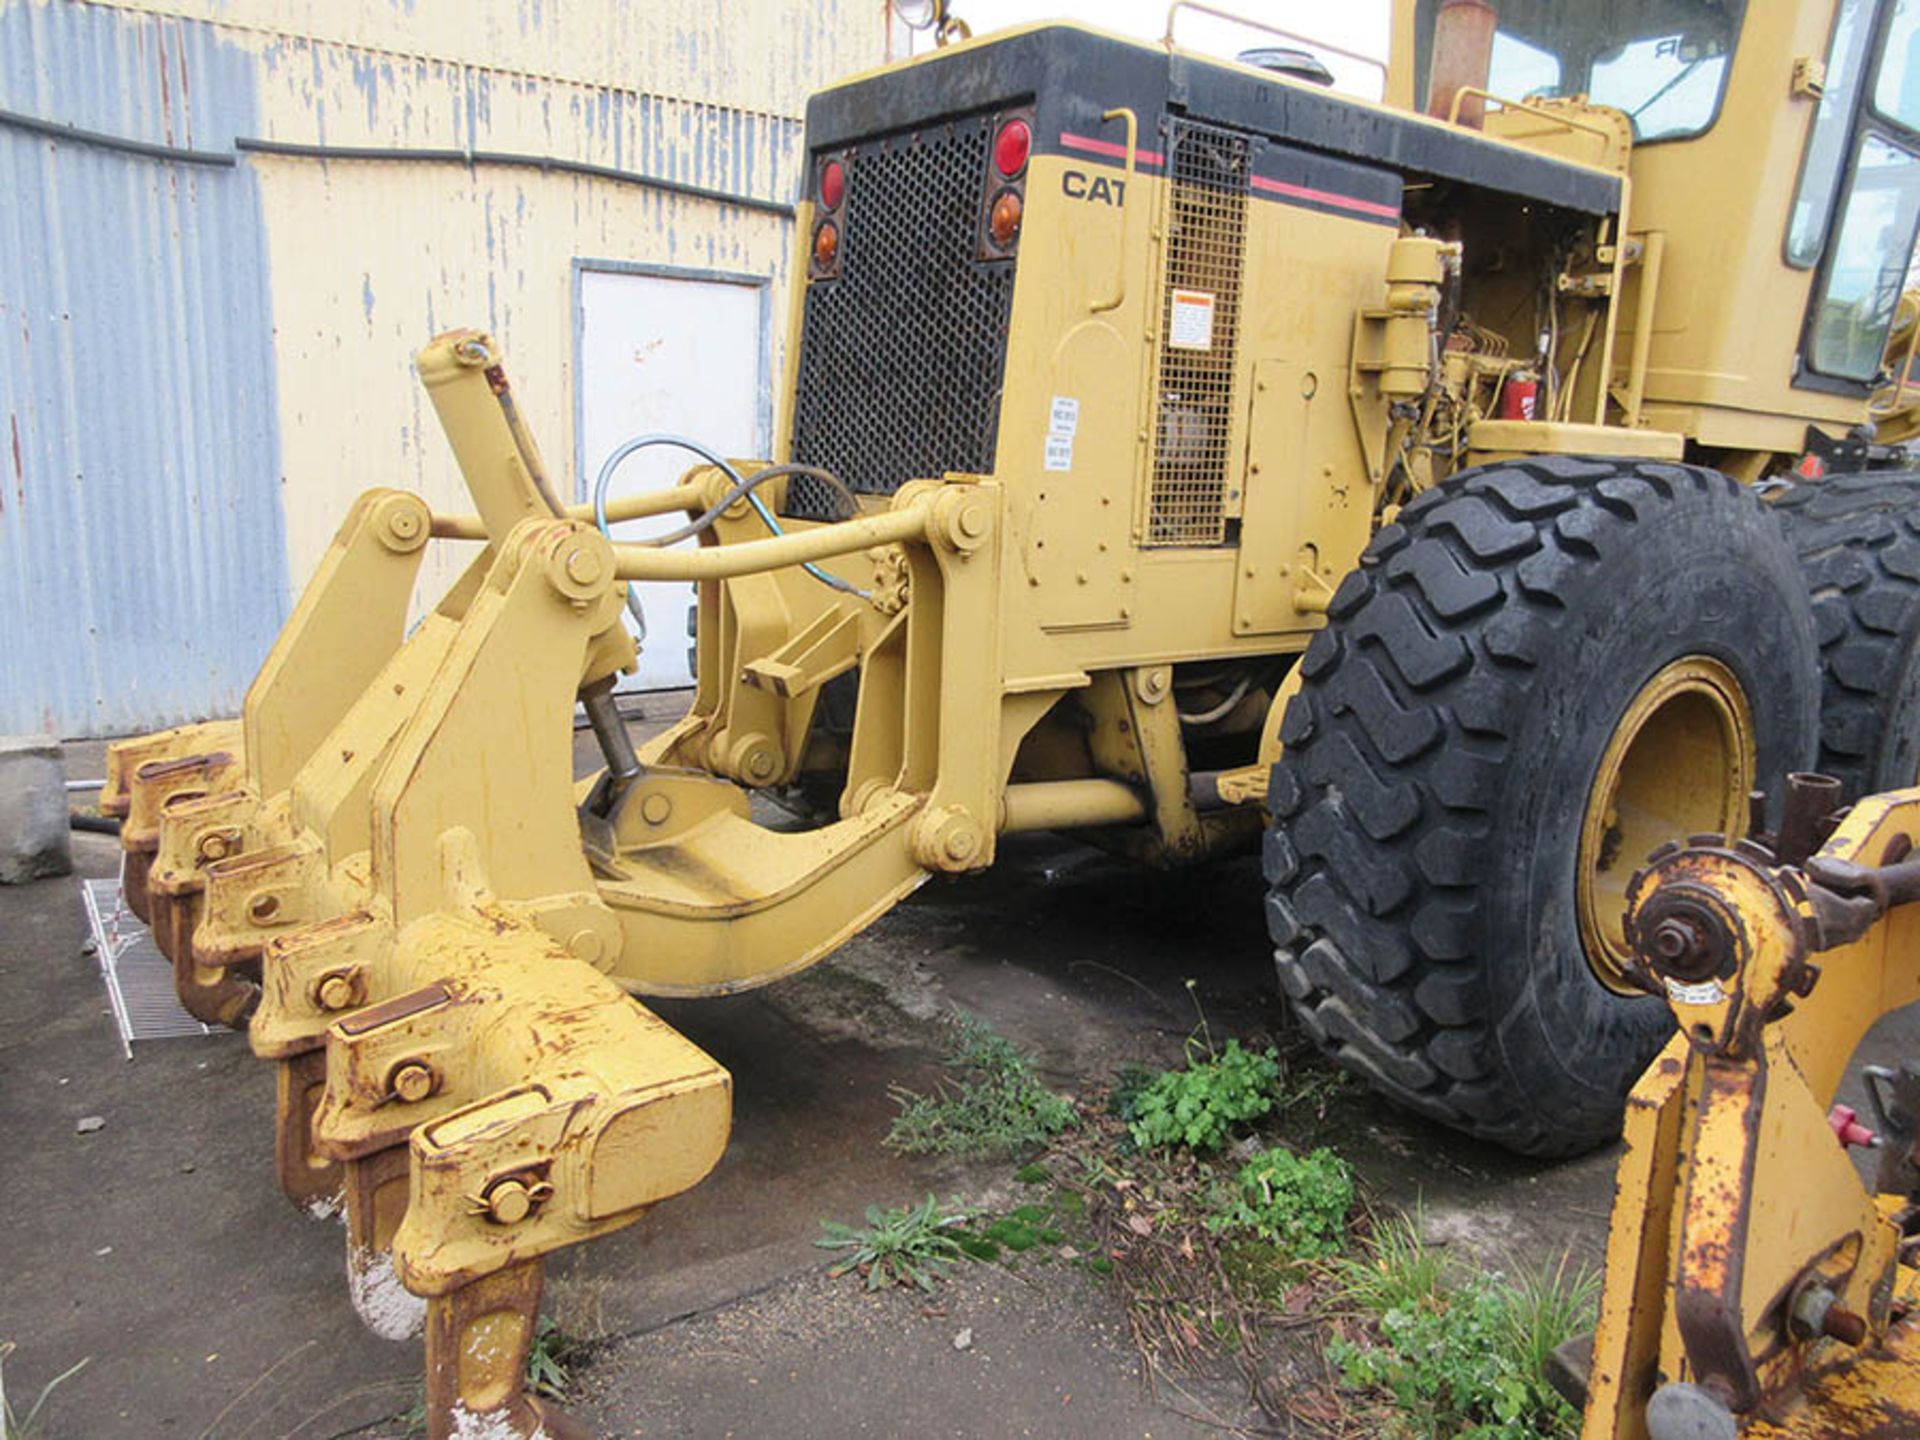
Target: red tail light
{"x": 1011, "y": 146}
{"x": 833, "y": 184}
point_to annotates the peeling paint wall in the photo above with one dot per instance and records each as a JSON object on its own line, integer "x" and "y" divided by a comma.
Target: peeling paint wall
{"x": 362, "y": 259}
{"x": 142, "y": 573}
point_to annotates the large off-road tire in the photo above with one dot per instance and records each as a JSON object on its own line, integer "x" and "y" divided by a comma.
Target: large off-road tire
{"x": 1542, "y": 670}
{"x": 1858, "y": 539}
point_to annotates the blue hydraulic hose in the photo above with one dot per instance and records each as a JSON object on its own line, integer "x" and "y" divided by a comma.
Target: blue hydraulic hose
{"x": 604, "y": 480}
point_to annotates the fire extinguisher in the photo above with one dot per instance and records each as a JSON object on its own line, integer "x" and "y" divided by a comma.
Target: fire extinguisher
{"x": 1518, "y": 395}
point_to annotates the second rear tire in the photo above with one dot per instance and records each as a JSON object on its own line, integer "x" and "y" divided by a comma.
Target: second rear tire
{"x": 1541, "y": 671}
{"x": 1858, "y": 541}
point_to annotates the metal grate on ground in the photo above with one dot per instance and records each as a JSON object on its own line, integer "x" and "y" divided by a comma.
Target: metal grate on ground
{"x": 1210, "y": 170}
{"x": 903, "y": 354}
{"x": 139, "y": 979}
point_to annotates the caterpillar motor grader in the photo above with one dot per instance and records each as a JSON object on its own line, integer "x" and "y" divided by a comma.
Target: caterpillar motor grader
{"x": 1173, "y": 451}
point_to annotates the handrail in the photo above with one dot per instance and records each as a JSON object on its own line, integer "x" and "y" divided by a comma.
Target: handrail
{"x": 1371, "y": 62}
{"x": 1133, "y": 153}
{"x": 1540, "y": 111}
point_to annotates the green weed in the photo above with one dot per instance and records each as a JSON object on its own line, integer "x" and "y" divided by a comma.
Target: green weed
{"x": 1297, "y": 1202}
{"x": 999, "y": 1107}
{"x": 1201, "y": 1105}
{"x": 25, "y": 1427}
{"x": 1462, "y": 1360}
{"x": 911, "y": 1246}
{"x": 547, "y": 1370}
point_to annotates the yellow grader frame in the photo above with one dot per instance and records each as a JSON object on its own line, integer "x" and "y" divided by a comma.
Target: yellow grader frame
{"x": 1130, "y": 396}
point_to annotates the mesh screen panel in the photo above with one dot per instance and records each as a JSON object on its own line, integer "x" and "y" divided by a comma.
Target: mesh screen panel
{"x": 1206, "y": 240}
{"x": 902, "y": 356}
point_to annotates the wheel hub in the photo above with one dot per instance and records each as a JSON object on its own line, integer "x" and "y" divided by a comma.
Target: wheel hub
{"x": 1680, "y": 762}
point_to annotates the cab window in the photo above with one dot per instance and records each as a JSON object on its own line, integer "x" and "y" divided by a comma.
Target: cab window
{"x": 1867, "y": 268}
{"x": 1826, "y": 153}
{"x": 1663, "y": 62}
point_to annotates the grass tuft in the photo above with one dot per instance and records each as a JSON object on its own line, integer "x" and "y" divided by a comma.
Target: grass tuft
{"x": 998, "y": 1108}
{"x": 27, "y": 1427}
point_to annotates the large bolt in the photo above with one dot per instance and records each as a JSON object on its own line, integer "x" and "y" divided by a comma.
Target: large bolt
{"x": 1683, "y": 1411}
{"x": 334, "y": 992}
{"x": 583, "y": 566}
{"x": 1847, "y": 1326}
{"x": 1674, "y": 938}
{"x": 411, "y": 1081}
{"x": 508, "y": 1203}
{"x": 1818, "y": 1311}
{"x": 1682, "y": 941}
{"x": 513, "y": 1199}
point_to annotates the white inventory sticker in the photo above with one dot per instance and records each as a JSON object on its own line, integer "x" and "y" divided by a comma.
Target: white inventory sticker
{"x": 1707, "y": 992}
{"x": 1192, "y": 321}
{"x": 1063, "y": 419}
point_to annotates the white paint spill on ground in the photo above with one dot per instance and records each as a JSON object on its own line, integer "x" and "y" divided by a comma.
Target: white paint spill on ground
{"x": 387, "y": 1307}
{"x": 492, "y": 1426}
{"x": 326, "y": 1207}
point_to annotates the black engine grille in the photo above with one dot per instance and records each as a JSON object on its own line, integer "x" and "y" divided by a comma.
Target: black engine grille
{"x": 902, "y": 356}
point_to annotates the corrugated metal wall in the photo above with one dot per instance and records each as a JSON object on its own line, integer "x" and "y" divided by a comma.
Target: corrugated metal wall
{"x": 366, "y": 257}
{"x": 141, "y": 562}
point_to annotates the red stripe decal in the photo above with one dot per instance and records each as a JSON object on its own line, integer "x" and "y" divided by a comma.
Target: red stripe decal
{"x": 1109, "y": 147}
{"x": 1118, "y": 151}
{"x": 1326, "y": 197}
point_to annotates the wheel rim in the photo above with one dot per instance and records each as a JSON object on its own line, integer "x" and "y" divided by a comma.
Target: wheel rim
{"x": 1679, "y": 763}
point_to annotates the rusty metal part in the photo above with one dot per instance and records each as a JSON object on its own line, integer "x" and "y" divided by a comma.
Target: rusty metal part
{"x": 1751, "y": 1277}
{"x": 478, "y": 1337}
{"x": 1806, "y": 816}
{"x": 307, "y": 1178}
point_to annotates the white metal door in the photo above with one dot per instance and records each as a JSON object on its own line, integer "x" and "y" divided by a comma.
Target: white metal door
{"x": 675, "y": 353}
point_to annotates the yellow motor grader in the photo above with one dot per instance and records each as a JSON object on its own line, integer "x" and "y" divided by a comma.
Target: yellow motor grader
{"x": 1416, "y": 487}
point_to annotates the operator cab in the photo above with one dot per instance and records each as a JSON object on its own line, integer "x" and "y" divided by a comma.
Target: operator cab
{"x": 1667, "y": 65}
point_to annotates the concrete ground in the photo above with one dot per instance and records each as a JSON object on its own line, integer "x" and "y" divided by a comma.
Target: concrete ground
{"x": 158, "y": 1247}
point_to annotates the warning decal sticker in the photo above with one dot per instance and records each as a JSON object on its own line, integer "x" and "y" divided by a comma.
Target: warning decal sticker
{"x": 1192, "y": 324}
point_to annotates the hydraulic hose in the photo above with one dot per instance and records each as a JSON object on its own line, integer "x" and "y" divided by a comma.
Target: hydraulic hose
{"x": 741, "y": 487}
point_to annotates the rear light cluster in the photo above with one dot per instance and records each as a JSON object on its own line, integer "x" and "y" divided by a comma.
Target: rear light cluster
{"x": 1005, "y": 199}
{"x": 1002, "y": 206}
{"x": 830, "y": 193}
